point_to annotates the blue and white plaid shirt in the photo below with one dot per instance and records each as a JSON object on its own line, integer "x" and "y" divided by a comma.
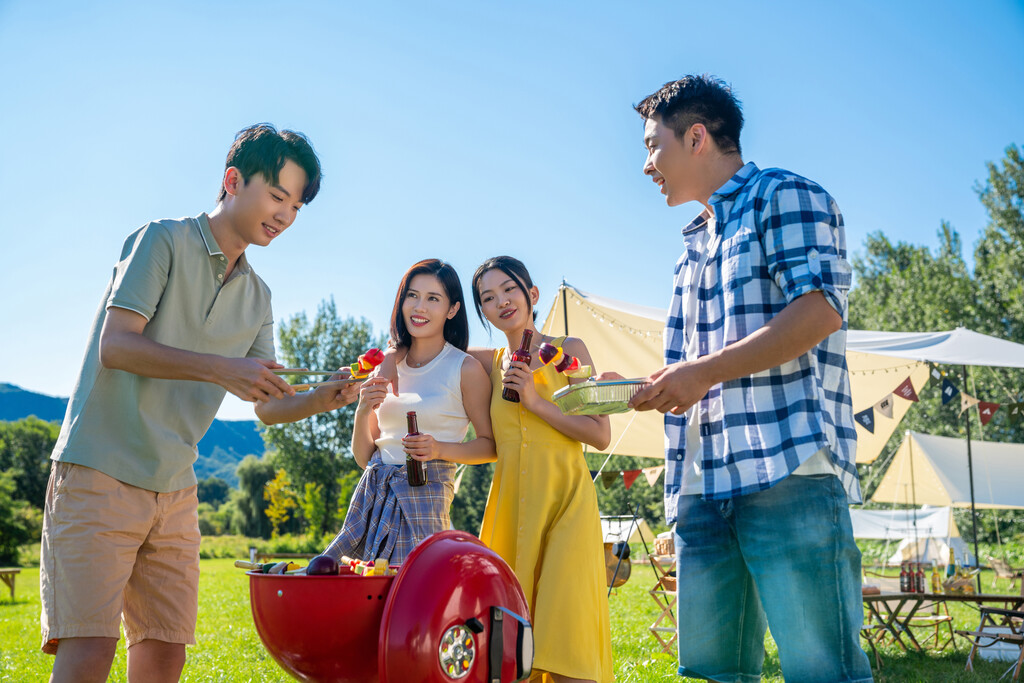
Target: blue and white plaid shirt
{"x": 775, "y": 237}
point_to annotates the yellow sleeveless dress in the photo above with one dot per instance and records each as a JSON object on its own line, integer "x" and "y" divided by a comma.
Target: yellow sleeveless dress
{"x": 542, "y": 519}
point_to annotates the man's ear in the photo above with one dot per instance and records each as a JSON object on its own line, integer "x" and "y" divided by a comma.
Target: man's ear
{"x": 698, "y": 138}
{"x": 233, "y": 180}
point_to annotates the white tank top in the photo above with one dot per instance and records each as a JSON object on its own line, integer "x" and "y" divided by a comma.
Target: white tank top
{"x": 434, "y": 391}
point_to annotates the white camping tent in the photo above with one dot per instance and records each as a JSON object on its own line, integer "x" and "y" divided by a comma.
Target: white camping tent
{"x": 891, "y": 525}
{"x": 929, "y": 550}
{"x": 925, "y": 535}
{"x": 932, "y": 470}
{"x": 615, "y": 528}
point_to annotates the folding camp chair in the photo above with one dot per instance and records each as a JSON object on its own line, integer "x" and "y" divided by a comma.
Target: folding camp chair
{"x": 1003, "y": 570}
{"x": 664, "y": 628}
{"x": 1005, "y": 629}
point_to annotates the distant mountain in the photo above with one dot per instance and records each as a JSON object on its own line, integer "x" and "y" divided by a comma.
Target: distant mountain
{"x": 220, "y": 451}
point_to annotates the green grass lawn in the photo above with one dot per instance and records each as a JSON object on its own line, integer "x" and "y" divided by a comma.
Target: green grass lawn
{"x": 228, "y": 648}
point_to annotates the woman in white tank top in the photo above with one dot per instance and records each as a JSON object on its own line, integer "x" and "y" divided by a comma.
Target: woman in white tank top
{"x": 448, "y": 390}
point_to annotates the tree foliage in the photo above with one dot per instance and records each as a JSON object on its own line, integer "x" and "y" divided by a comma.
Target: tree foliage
{"x": 25, "y": 448}
{"x": 249, "y": 515}
{"x": 213, "y": 490}
{"x": 316, "y": 450}
{"x": 281, "y": 501}
{"x": 19, "y": 521}
{"x": 908, "y": 288}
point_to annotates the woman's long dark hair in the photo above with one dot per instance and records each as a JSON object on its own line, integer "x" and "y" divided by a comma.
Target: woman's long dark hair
{"x": 512, "y": 267}
{"x": 456, "y": 329}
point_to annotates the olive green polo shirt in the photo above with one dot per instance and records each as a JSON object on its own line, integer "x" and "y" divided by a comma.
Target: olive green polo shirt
{"x": 144, "y": 431}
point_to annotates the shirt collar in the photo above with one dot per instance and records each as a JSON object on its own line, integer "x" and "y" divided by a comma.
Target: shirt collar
{"x": 207, "y": 234}
{"x": 726, "y": 191}
{"x": 241, "y": 266}
{"x": 735, "y": 183}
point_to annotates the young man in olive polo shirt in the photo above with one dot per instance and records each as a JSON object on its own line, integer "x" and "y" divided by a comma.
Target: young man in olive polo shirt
{"x": 183, "y": 321}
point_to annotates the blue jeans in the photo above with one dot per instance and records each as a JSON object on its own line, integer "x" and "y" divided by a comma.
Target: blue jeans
{"x": 783, "y": 558}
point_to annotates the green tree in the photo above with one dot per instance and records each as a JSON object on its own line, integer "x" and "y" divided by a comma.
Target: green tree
{"x": 249, "y": 516}
{"x": 316, "y": 450}
{"x": 999, "y": 257}
{"x": 213, "y": 490}
{"x": 18, "y": 524}
{"x": 907, "y": 288}
{"x": 467, "y": 511}
{"x": 25, "y": 448}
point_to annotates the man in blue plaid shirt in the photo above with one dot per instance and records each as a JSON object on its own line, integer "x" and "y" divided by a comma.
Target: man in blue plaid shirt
{"x": 760, "y": 440}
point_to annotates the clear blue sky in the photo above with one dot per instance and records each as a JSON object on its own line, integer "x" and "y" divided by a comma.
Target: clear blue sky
{"x": 463, "y": 130}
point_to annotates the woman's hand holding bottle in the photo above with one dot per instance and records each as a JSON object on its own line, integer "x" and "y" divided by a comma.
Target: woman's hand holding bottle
{"x": 422, "y": 447}
{"x": 519, "y": 378}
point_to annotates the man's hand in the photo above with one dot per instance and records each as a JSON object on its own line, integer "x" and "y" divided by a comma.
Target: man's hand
{"x": 333, "y": 397}
{"x": 251, "y": 379}
{"x": 674, "y": 388}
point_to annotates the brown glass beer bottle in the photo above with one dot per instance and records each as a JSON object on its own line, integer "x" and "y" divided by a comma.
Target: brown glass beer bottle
{"x": 522, "y": 355}
{"x": 415, "y": 470}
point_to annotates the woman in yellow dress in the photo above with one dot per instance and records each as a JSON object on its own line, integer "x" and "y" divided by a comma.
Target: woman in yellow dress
{"x": 541, "y": 514}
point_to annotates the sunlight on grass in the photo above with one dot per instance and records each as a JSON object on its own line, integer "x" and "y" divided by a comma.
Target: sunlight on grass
{"x": 228, "y": 648}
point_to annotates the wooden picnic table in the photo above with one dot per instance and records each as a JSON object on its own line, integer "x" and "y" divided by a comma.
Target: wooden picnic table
{"x": 7, "y": 576}
{"x": 894, "y": 611}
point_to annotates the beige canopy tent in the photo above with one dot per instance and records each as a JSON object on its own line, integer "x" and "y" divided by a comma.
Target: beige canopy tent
{"x": 627, "y": 338}
{"x": 932, "y": 470}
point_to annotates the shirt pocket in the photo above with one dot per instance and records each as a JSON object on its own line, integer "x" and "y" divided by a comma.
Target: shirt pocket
{"x": 739, "y": 253}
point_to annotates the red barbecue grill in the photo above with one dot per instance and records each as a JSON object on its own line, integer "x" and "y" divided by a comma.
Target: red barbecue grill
{"x": 454, "y": 612}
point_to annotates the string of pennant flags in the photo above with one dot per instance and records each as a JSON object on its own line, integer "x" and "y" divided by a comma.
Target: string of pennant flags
{"x": 865, "y": 418}
{"x": 628, "y": 477}
{"x": 949, "y": 391}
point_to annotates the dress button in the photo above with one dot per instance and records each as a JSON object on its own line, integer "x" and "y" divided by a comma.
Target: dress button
{"x": 679, "y": 457}
{"x": 220, "y": 276}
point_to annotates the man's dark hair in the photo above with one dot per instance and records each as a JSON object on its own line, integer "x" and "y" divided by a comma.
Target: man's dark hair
{"x": 512, "y": 267}
{"x": 261, "y": 149}
{"x": 698, "y": 99}
{"x": 456, "y": 330}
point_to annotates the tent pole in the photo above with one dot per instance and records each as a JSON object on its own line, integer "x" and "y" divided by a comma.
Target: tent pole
{"x": 970, "y": 477}
{"x": 565, "y": 309}
{"x": 913, "y": 492}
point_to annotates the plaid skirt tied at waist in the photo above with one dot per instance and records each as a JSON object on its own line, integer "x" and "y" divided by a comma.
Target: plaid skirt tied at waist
{"x": 388, "y": 518}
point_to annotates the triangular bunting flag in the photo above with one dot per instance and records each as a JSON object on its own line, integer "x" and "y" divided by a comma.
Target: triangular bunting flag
{"x": 608, "y": 478}
{"x": 906, "y": 390}
{"x": 652, "y": 474}
{"x": 885, "y": 406}
{"x": 949, "y": 391}
{"x": 986, "y": 411}
{"x": 629, "y": 476}
{"x": 1016, "y": 412}
{"x": 967, "y": 401}
{"x": 593, "y": 475}
{"x": 936, "y": 373}
{"x": 866, "y": 419}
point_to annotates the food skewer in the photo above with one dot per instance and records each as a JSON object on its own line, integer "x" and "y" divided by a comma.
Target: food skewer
{"x": 313, "y": 385}
{"x": 298, "y": 371}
